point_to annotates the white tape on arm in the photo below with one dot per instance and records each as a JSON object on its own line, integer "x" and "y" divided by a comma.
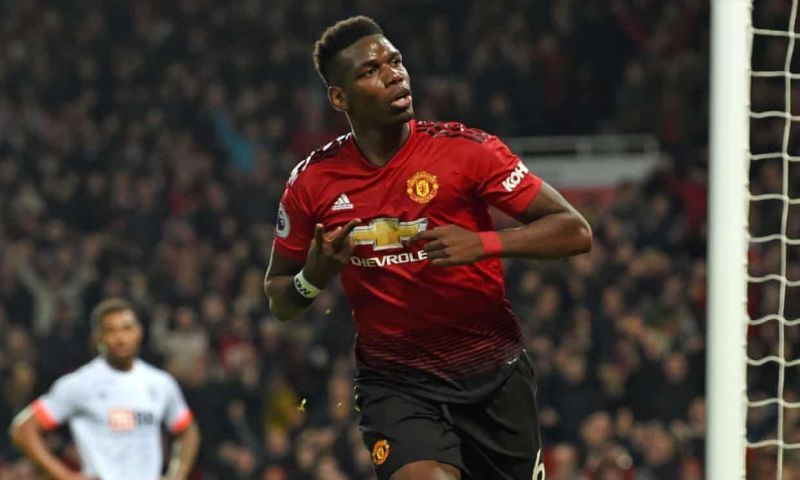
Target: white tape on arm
{"x": 304, "y": 287}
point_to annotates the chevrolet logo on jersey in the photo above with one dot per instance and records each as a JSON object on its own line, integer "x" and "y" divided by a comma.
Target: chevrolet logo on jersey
{"x": 387, "y": 233}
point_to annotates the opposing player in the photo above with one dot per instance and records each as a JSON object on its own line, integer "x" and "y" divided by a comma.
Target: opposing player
{"x": 400, "y": 208}
{"x": 115, "y": 406}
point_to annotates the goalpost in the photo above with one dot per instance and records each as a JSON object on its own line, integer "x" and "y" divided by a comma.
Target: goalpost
{"x": 727, "y": 244}
{"x": 734, "y": 29}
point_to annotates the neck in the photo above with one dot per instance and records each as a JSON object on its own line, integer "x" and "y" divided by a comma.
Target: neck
{"x": 119, "y": 364}
{"x": 379, "y": 144}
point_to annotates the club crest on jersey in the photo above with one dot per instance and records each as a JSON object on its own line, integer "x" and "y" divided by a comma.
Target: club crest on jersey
{"x": 422, "y": 187}
{"x": 380, "y": 452}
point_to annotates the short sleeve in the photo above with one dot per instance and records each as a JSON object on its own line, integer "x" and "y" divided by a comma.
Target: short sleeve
{"x": 294, "y": 226}
{"x": 59, "y": 404}
{"x": 177, "y": 415}
{"x": 503, "y": 179}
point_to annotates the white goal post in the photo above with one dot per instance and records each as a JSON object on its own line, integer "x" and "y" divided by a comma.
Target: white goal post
{"x": 728, "y": 239}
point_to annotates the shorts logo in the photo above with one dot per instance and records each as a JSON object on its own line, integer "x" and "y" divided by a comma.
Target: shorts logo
{"x": 380, "y": 452}
{"x": 422, "y": 187}
{"x": 282, "y": 225}
{"x": 387, "y": 233}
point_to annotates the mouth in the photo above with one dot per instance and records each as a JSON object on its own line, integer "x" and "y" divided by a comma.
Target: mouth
{"x": 121, "y": 349}
{"x": 402, "y": 99}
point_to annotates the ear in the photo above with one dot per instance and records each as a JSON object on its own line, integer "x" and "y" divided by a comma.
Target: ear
{"x": 338, "y": 99}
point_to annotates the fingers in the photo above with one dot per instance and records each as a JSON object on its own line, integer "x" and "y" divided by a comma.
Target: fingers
{"x": 343, "y": 233}
{"x": 319, "y": 230}
{"x": 434, "y": 246}
{"x": 349, "y": 244}
{"x": 343, "y": 254}
{"x": 426, "y": 235}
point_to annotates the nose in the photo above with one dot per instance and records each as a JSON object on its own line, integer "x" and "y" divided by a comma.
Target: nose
{"x": 394, "y": 75}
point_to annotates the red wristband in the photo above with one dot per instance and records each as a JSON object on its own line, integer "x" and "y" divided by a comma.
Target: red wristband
{"x": 491, "y": 244}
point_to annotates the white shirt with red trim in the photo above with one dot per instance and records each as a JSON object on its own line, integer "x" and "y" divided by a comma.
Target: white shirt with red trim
{"x": 115, "y": 417}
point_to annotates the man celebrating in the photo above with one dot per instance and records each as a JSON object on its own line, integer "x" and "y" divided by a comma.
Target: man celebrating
{"x": 115, "y": 406}
{"x": 400, "y": 208}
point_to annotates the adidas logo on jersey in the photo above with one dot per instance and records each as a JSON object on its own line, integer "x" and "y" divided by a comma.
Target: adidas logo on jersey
{"x": 342, "y": 203}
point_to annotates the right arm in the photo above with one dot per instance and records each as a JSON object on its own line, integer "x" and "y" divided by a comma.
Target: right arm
{"x": 285, "y": 302}
{"x": 327, "y": 254}
{"x": 27, "y": 433}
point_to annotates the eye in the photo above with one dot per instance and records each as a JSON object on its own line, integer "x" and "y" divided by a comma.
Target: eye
{"x": 369, "y": 72}
{"x": 397, "y": 61}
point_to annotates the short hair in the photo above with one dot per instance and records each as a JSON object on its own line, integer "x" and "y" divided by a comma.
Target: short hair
{"x": 106, "y": 307}
{"x": 339, "y": 36}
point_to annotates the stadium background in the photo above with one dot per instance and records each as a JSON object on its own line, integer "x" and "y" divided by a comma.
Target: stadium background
{"x": 144, "y": 146}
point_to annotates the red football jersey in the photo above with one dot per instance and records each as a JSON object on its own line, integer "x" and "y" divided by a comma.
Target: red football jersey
{"x": 411, "y": 317}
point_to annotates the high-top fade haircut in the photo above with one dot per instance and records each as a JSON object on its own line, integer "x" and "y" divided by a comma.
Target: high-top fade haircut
{"x": 336, "y": 38}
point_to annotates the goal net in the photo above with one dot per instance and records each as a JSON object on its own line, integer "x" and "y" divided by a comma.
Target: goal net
{"x": 773, "y": 340}
{"x": 753, "y": 383}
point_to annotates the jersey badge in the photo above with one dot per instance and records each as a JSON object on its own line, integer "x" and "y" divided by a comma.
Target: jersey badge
{"x": 282, "y": 226}
{"x": 422, "y": 187}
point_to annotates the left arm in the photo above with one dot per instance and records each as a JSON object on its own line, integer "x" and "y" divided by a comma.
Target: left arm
{"x": 553, "y": 229}
{"x": 184, "y": 452}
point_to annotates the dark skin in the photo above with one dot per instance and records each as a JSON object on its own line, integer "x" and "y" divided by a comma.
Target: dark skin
{"x": 118, "y": 338}
{"x": 372, "y": 87}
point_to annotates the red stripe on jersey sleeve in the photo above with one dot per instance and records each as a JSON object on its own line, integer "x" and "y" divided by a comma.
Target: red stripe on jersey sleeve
{"x": 43, "y": 415}
{"x": 182, "y": 422}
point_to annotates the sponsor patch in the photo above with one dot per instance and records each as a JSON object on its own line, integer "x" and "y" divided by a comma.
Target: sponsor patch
{"x": 387, "y": 233}
{"x": 514, "y": 178}
{"x": 282, "y": 225}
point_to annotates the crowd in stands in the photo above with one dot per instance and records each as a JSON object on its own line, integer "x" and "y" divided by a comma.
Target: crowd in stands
{"x": 144, "y": 146}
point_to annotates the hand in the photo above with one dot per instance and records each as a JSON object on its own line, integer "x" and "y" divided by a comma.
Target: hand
{"x": 451, "y": 245}
{"x": 328, "y": 253}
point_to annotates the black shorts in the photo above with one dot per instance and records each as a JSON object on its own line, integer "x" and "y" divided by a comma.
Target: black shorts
{"x": 494, "y": 439}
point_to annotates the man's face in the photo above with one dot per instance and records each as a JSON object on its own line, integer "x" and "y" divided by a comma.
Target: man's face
{"x": 121, "y": 334}
{"x": 374, "y": 86}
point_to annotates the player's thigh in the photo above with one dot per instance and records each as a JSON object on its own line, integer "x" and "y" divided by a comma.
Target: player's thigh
{"x": 400, "y": 429}
{"x": 500, "y": 438}
{"x": 427, "y": 470}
